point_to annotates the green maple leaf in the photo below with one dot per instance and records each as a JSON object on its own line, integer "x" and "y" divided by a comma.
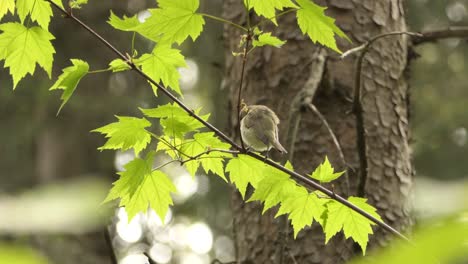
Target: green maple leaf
{"x": 173, "y": 21}
{"x": 319, "y": 27}
{"x": 76, "y": 4}
{"x": 139, "y": 187}
{"x": 69, "y": 79}
{"x": 39, "y": 10}
{"x": 325, "y": 172}
{"x": 303, "y": 207}
{"x": 175, "y": 121}
{"x": 7, "y": 6}
{"x": 127, "y": 133}
{"x": 125, "y": 23}
{"x": 212, "y": 161}
{"x": 169, "y": 146}
{"x": 268, "y": 39}
{"x": 161, "y": 65}
{"x": 119, "y": 65}
{"x": 267, "y": 8}
{"x": 59, "y": 3}
{"x": 243, "y": 170}
{"x": 22, "y": 48}
{"x": 353, "y": 224}
{"x": 274, "y": 188}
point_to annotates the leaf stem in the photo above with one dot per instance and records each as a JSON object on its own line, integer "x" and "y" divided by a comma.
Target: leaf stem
{"x": 222, "y": 20}
{"x": 100, "y": 71}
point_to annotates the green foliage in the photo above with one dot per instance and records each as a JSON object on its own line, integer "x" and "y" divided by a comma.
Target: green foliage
{"x": 125, "y": 23}
{"x": 118, "y": 65}
{"x": 245, "y": 170}
{"x": 140, "y": 186}
{"x": 352, "y": 223}
{"x": 303, "y": 207}
{"x": 6, "y": 6}
{"x": 267, "y": 8}
{"x": 69, "y": 79}
{"x": 175, "y": 121}
{"x": 17, "y": 254}
{"x": 77, "y": 4}
{"x": 23, "y": 47}
{"x": 325, "y": 172}
{"x": 127, "y": 133}
{"x": 39, "y": 11}
{"x": 319, "y": 27}
{"x": 275, "y": 187}
{"x": 161, "y": 65}
{"x": 212, "y": 161}
{"x": 173, "y": 21}
{"x": 443, "y": 241}
{"x": 268, "y": 39}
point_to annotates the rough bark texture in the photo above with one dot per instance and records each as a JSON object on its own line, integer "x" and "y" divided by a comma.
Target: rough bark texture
{"x": 275, "y": 77}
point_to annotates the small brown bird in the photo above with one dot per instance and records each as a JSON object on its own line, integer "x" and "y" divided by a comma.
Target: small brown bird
{"x": 259, "y": 128}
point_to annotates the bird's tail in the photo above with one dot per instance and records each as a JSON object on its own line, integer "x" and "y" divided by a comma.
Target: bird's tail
{"x": 279, "y": 147}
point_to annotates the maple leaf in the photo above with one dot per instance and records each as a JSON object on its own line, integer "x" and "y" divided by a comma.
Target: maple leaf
{"x": 23, "y": 47}
{"x": 325, "y": 172}
{"x": 173, "y": 21}
{"x": 267, "y": 8}
{"x": 243, "y": 170}
{"x": 127, "y": 133}
{"x": 303, "y": 207}
{"x": 319, "y": 27}
{"x": 69, "y": 79}
{"x": 354, "y": 225}
{"x": 139, "y": 187}
{"x": 161, "y": 65}
{"x": 268, "y": 39}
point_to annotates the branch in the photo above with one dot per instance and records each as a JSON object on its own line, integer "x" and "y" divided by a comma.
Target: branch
{"x": 434, "y": 35}
{"x": 306, "y": 181}
{"x": 332, "y": 135}
{"x": 239, "y": 97}
{"x": 357, "y": 105}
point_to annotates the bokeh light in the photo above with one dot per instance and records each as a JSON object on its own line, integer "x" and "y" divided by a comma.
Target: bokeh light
{"x": 200, "y": 238}
{"x": 129, "y": 232}
{"x": 160, "y": 253}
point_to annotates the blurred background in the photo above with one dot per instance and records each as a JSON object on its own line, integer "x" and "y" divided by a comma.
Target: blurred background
{"x": 52, "y": 178}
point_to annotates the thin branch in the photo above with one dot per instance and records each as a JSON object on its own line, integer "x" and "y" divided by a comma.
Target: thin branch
{"x": 434, "y": 35}
{"x": 332, "y": 135}
{"x": 306, "y": 181}
{"x": 357, "y": 105}
{"x": 365, "y": 47}
{"x": 222, "y": 20}
{"x": 239, "y": 97}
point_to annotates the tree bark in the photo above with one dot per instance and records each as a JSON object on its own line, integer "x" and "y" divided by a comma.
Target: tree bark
{"x": 280, "y": 78}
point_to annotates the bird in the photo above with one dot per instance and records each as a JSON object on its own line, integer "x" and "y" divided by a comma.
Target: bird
{"x": 259, "y": 128}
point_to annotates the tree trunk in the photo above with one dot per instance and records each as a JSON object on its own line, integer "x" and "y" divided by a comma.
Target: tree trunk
{"x": 280, "y": 78}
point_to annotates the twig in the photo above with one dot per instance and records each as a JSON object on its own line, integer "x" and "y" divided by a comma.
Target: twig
{"x": 306, "y": 181}
{"x": 222, "y": 20}
{"x": 150, "y": 260}
{"x": 365, "y": 47}
{"x": 357, "y": 105}
{"x": 434, "y": 35}
{"x": 239, "y": 97}
{"x": 334, "y": 138}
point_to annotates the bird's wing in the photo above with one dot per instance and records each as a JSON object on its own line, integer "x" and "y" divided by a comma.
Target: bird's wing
{"x": 259, "y": 126}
